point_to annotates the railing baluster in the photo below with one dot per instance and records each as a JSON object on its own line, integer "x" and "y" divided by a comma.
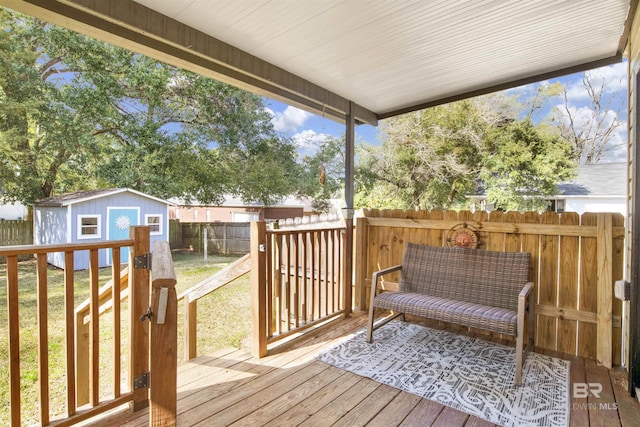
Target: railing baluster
{"x": 326, "y": 273}
{"x": 339, "y": 270}
{"x": 43, "y": 338}
{"x": 278, "y": 285}
{"x": 287, "y": 283}
{"x": 295, "y": 239}
{"x": 313, "y": 274}
{"x": 115, "y": 298}
{"x": 270, "y": 282}
{"x": 69, "y": 317}
{"x": 14, "y": 338}
{"x": 305, "y": 265}
{"x": 94, "y": 329}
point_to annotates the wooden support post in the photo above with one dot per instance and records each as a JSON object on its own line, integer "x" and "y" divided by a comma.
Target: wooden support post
{"x": 362, "y": 236}
{"x": 138, "y": 305}
{"x": 347, "y": 264}
{"x": 191, "y": 323}
{"x": 349, "y": 161}
{"x": 164, "y": 338}
{"x": 259, "y": 288}
{"x": 604, "y": 352}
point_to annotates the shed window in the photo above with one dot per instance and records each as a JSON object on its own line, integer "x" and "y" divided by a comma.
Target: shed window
{"x": 154, "y": 222}
{"x": 89, "y": 226}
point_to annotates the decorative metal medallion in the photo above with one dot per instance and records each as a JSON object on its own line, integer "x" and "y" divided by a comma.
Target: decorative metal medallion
{"x": 463, "y": 236}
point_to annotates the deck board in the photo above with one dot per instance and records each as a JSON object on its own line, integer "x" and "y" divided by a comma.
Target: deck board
{"x": 290, "y": 388}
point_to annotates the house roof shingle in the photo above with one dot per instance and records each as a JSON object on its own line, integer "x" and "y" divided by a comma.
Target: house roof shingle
{"x": 601, "y": 179}
{"x": 83, "y": 196}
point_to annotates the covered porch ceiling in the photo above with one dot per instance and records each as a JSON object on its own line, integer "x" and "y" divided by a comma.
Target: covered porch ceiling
{"x": 376, "y": 59}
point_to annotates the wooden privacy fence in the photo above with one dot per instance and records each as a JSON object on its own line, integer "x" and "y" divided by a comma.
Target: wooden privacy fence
{"x": 575, "y": 261}
{"x": 226, "y": 238}
{"x": 296, "y": 279}
{"x": 13, "y": 233}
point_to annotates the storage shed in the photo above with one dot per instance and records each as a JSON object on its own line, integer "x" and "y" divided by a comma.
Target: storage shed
{"x": 94, "y": 215}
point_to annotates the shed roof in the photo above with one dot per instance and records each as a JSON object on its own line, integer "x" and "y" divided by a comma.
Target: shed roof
{"x": 84, "y": 196}
{"x": 374, "y": 58}
{"x": 601, "y": 180}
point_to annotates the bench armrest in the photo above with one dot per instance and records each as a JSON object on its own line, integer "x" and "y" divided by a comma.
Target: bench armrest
{"x": 525, "y": 291}
{"x": 378, "y": 274}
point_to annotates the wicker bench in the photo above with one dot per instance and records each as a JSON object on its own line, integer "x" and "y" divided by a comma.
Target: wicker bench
{"x": 470, "y": 287}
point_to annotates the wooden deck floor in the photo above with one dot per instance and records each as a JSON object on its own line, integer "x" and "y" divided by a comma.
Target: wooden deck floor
{"x": 289, "y": 388}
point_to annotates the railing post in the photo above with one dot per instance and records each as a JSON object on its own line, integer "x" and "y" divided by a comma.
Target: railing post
{"x": 258, "y": 288}
{"x": 191, "y": 330}
{"x": 164, "y": 338}
{"x": 347, "y": 265}
{"x": 138, "y": 305}
{"x": 361, "y": 262}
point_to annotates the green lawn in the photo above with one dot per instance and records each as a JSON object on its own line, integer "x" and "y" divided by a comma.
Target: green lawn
{"x": 223, "y": 321}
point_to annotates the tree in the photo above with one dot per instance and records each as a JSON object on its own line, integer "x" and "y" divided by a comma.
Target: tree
{"x": 433, "y": 158}
{"x": 78, "y": 113}
{"x": 590, "y": 129}
{"x": 523, "y": 166}
{"x": 430, "y": 158}
{"x": 329, "y": 162}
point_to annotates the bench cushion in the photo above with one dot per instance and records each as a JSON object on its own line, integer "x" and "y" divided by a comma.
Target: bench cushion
{"x": 494, "y": 319}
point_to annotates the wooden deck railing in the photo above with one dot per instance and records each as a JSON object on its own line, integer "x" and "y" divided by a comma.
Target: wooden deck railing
{"x": 297, "y": 280}
{"x": 191, "y": 296}
{"x": 84, "y": 396}
{"x": 77, "y": 393}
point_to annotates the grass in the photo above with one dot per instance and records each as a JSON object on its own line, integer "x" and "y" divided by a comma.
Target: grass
{"x": 223, "y": 321}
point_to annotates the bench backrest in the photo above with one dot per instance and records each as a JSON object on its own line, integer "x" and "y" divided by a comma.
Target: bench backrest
{"x": 469, "y": 275}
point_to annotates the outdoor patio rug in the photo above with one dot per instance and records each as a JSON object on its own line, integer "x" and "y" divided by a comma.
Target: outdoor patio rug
{"x": 468, "y": 374}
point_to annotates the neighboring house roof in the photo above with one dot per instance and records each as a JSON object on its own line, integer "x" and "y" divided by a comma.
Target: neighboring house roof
{"x": 83, "y": 196}
{"x": 234, "y": 201}
{"x": 597, "y": 180}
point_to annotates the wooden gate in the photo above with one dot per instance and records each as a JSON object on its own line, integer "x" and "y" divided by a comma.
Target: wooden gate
{"x": 297, "y": 279}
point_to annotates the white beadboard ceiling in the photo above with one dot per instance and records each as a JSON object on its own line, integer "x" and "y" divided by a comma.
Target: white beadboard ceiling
{"x": 391, "y": 55}
{"x": 376, "y": 58}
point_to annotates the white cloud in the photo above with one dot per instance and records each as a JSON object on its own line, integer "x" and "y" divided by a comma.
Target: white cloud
{"x": 290, "y": 120}
{"x": 613, "y": 76}
{"x": 308, "y": 141}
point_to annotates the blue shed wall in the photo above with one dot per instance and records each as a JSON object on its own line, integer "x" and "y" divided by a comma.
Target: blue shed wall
{"x": 50, "y": 228}
{"x": 60, "y": 225}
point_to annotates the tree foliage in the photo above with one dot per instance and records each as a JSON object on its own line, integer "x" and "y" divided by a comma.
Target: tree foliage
{"x": 523, "y": 165}
{"x": 435, "y": 157}
{"x": 78, "y": 113}
{"x": 328, "y": 161}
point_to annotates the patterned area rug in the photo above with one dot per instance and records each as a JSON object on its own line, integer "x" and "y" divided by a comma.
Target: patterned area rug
{"x": 468, "y": 374}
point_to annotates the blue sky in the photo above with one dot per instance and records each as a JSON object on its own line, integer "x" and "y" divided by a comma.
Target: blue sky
{"x": 308, "y": 129}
